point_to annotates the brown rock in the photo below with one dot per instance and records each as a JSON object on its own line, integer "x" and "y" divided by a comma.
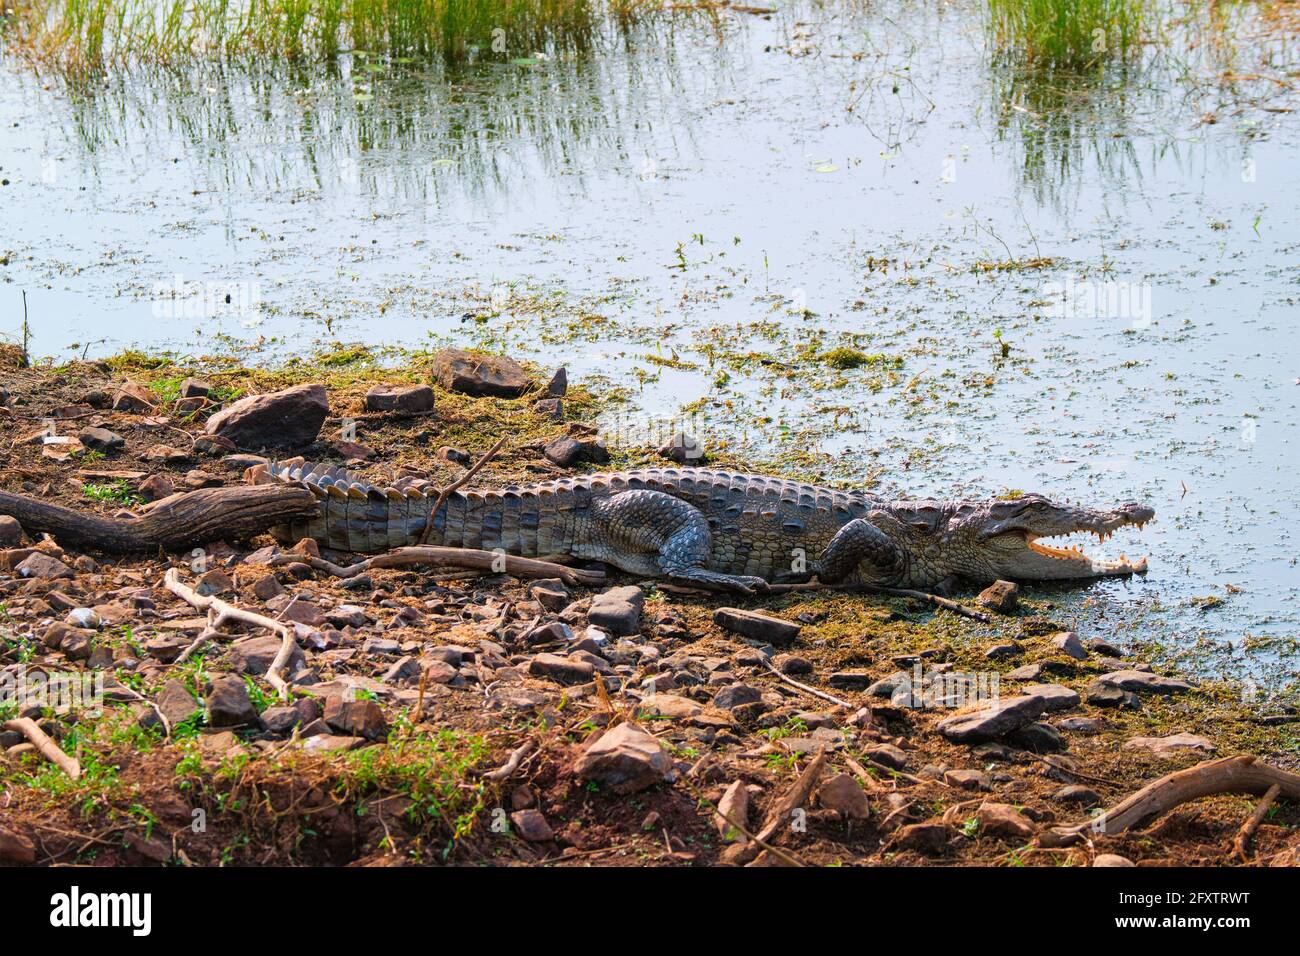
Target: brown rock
{"x": 101, "y": 439}
{"x": 734, "y": 805}
{"x": 480, "y": 374}
{"x": 845, "y": 796}
{"x": 228, "y": 703}
{"x": 562, "y": 669}
{"x": 407, "y": 399}
{"x": 991, "y": 722}
{"x": 1000, "y": 596}
{"x": 41, "y": 565}
{"x": 1171, "y": 746}
{"x": 11, "y": 532}
{"x": 156, "y": 488}
{"x": 625, "y": 759}
{"x": 1112, "y": 859}
{"x": 532, "y": 826}
{"x": 131, "y": 397}
{"x": 289, "y": 418}
{"x": 931, "y": 838}
{"x": 1004, "y": 820}
{"x": 15, "y": 848}
{"x": 357, "y": 718}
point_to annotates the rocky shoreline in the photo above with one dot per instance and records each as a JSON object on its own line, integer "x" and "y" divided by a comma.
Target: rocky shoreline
{"x": 435, "y": 717}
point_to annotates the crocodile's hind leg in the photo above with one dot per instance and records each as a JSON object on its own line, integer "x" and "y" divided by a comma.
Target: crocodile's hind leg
{"x": 652, "y": 532}
{"x": 861, "y": 553}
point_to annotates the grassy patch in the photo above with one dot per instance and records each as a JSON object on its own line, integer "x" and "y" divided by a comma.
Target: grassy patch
{"x": 93, "y": 32}
{"x": 115, "y": 492}
{"x": 1069, "y": 34}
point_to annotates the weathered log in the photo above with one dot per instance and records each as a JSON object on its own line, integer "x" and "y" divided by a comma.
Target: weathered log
{"x": 185, "y": 521}
{"x": 1241, "y": 774}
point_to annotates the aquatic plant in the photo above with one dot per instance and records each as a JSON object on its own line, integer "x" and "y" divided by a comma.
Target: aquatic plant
{"x": 91, "y": 32}
{"x": 1070, "y": 34}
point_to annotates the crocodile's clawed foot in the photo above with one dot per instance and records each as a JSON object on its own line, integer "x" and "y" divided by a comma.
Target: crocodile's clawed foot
{"x": 729, "y": 583}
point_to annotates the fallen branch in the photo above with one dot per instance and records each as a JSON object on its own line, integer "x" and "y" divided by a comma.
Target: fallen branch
{"x": 512, "y": 763}
{"x": 822, "y": 695}
{"x": 47, "y": 747}
{"x": 472, "y": 559}
{"x": 185, "y": 521}
{"x": 779, "y": 816}
{"x": 1241, "y": 843}
{"x": 1241, "y": 774}
{"x": 940, "y": 602}
{"x": 219, "y": 612}
{"x": 459, "y": 482}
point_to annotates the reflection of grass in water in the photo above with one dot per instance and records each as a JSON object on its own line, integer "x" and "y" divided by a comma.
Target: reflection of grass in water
{"x": 92, "y": 32}
{"x": 1067, "y": 33}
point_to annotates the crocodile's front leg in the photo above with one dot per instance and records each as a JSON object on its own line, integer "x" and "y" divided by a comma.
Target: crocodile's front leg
{"x": 861, "y": 552}
{"x": 634, "y": 528}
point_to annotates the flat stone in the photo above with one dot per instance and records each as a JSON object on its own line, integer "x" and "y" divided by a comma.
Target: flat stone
{"x": 101, "y": 439}
{"x": 1037, "y": 737}
{"x": 1081, "y": 725}
{"x": 888, "y": 755}
{"x": 407, "y": 399}
{"x": 1002, "y": 651}
{"x": 929, "y": 838}
{"x": 1103, "y": 695}
{"x": 131, "y": 397}
{"x": 1056, "y": 696}
{"x": 564, "y": 670}
{"x": 1077, "y": 793}
{"x": 1172, "y": 745}
{"x": 853, "y": 680}
{"x": 737, "y": 695}
{"x": 991, "y": 722}
{"x": 792, "y": 664}
{"x": 302, "y": 611}
{"x": 331, "y": 743}
{"x": 290, "y": 418}
{"x": 1112, "y": 859}
{"x": 480, "y": 374}
{"x": 668, "y": 706}
{"x": 968, "y": 779}
{"x": 255, "y": 654}
{"x": 11, "y": 532}
{"x": 756, "y": 626}
{"x": 1136, "y": 680}
{"x": 625, "y": 759}
{"x": 550, "y": 593}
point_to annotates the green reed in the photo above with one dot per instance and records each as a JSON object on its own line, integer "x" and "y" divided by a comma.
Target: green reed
{"x": 99, "y": 31}
{"x": 1068, "y": 34}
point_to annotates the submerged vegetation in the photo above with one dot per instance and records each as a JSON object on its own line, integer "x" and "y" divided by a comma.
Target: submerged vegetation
{"x": 93, "y": 32}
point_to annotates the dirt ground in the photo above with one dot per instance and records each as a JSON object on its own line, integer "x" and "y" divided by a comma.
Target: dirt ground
{"x": 439, "y": 680}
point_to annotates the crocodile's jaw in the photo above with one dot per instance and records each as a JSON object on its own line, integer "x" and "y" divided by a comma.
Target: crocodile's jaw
{"x": 1016, "y": 540}
{"x": 1023, "y": 557}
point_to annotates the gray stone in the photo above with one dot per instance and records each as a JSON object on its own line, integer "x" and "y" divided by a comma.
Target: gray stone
{"x": 1136, "y": 680}
{"x": 1067, "y": 642}
{"x": 756, "y": 626}
{"x": 991, "y": 722}
{"x": 737, "y": 695}
{"x": 11, "y": 532}
{"x": 618, "y": 610}
{"x": 40, "y": 565}
{"x": 101, "y": 439}
{"x": 1056, "y": 696}
{"x": 1172, "y": 745}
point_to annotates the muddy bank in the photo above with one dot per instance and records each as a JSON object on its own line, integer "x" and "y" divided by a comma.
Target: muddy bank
{"x": 442, "y": 717}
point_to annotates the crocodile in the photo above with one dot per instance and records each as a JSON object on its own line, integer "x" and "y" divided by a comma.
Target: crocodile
{"x": 719, "y": 529}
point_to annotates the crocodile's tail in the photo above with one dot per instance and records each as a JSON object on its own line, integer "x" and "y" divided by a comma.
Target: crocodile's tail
{"x": 356, "y": 516}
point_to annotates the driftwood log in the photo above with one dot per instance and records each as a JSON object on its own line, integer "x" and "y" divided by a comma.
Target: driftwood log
{"x": 1242, "y": 774}
{"x": 174, "y": 524}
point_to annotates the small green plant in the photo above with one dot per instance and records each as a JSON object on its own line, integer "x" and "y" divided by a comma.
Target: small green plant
{"x": 116, "y": 492}
{"x": 1068, "y": 34}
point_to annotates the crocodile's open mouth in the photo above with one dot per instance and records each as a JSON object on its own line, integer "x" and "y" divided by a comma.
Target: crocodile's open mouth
{"x": 1067, "y": 549}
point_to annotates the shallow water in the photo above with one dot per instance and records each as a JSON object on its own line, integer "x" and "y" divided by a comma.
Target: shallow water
{"x": 696, "y": 216}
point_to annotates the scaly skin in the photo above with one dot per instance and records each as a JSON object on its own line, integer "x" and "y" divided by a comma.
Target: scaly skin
{"x": 718, "y": 529}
